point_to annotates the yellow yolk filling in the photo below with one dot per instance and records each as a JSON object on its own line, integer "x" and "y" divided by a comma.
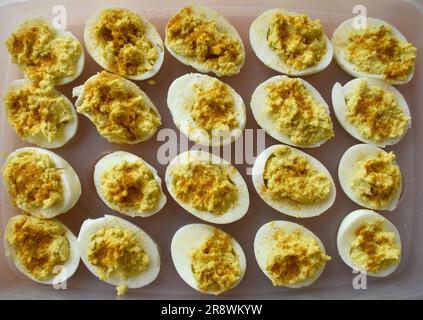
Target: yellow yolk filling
{"x": 201, "y": 40}
{"x": 42, "y": 54}
{"x": 204, "y": 186}
{"x": 34, "y": 111}
{"x": 298, "y": 40}
{"x": 377, "y": 50}
{"x": 294, "y": 258}
{"x": 40, "y": 245}
{"x": 213, "y": 108}
{"x": 290, "y": 176}
{"x": 375, "y": 113}
{"x": 296, "y": 113}
{"x": 121, "y": 36}
{"x": 131, "y": 185}
{"x": 373, "y": 248}
{"x": 116, "y": 252}
{"x": 377, "y": 181}
{"x": 119, "y": 114}
{"x": 33, "y": 181}
{"x": 215, "y": 264}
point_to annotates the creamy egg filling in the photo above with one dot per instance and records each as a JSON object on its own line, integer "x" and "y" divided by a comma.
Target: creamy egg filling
{"x": 293, "y": 258}
{"x": 297, "y": 39}
{"x": 40, "y": 245}
{"x": 373, "y": 248}
{"x": 119, "y": 114}
{"x": 288, "y": 176}
{"x": 37, "y": 112}
{"x": 131, "y": 185}
{"x": 377, "y": 180}
{"x": 33, "y": 181}
{"x": 42, "y": 54}
{"x": 213, "y": 108}
{"x": 205, "y": 186}
{"x": 203, "y": 41}
{"x": 215, "y": 264}
{"x": 121, "y": 36}
{"x": 296, "y": 112}
{"x": 116, "y": 252}
{"x": 377, "y": 50}
{"x": 375, "y": 113}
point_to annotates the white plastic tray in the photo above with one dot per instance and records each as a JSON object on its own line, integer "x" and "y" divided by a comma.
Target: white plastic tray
{"x": 83, "y": 151}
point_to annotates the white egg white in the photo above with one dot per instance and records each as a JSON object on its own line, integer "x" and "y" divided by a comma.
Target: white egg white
{"x": 348, "y": 167}
{"x": 264, "y": 241}
{"x": 258, "y": 39}
{"x": 189, "y": 238}
{"x": 223, "y": 25}
{"x": 265, "y": 121}
{"x": 284, "y": 206}
{"x": 91, "y": 226}
{"x": 70, "y": 182}
{"x": 68, "y": 269}
{"x": 40, "y": 140}
{"x": 233, "y": 214}
{"x": 340, "y": 108}
{"x": 96, "y": 51}
{"x": 107, "y": 163}
{"x": 340, "y": 41}
{"x": 79, "y": 92}
{"x": 181, "y": 95}
{"x": 346, "y": 235}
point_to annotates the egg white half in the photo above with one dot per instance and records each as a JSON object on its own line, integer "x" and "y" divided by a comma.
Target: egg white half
{"x": 264, "y": 241}
{"x": 107, "y": 163}
{"x": 284, "y": 206}
{"x": 258, "y": 39}
{"x": 91, "y": 226}
{"x": 264, "y": 120}
{"x": 340, "y": 108}
{"x": 346, "y": 235}
{"x": 181, "y": 94}
{"x": 348, "y": 167}
{"x": 69, "y": 129}
{"x": 69, "y": 267}
{"x": 79, "y": 92}
{"x": 223, "y": 25}
{"x": 96, "y": 52}
{"x": 340, "y": 41}
{"x": 70, "y": 182}
{"x": 189, "y": 238}
{"x": 233, "y": 214}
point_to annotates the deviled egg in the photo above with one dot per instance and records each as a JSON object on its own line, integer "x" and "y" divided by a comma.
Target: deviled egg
{"x": 124, "y": 42}
{"x": 293, "y": 182}
{"x": 370, "y": 243}
{"x": 40, "y": 115}
{"x": 201, "y": 38}
{"x": 290, "y": 42}
{"x": 118, "y": 252}
{"x": 289, "y": 254}
{"x": 207, "y": 258}
{"x": 292, "y": 111}
{"x": 40, "y": 182}
{"x": 370, "y": 177}
{"x": 207, "y": 110}
{"x": 207, "y": 186}
{"x": 372, "y": 111}
{"x": 43, "y": 250}
{"x": 128, "y": 184}
{"x": 374, "y": 50}
{"x": 44, "y": 54}
{"x": 119, "y": 109}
